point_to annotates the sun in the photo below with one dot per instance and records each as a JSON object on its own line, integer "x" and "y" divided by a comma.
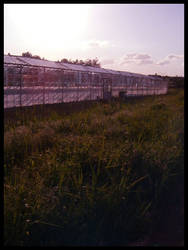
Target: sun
{"x": 47, "y": 24}
{"x": 66, "y": 21}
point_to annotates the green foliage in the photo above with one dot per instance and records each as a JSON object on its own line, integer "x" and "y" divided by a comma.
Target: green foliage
{"x": 93, "y": 177}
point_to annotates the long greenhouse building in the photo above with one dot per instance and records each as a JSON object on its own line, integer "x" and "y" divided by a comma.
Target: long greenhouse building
{"x": 29, "y": 81}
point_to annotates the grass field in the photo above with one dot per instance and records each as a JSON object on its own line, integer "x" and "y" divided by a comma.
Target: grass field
{"x": 93, "y": 173}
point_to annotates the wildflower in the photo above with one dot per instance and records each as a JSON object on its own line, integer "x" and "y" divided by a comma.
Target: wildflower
{"x": 28, "y": 221}
{"x": 26, "y": 205}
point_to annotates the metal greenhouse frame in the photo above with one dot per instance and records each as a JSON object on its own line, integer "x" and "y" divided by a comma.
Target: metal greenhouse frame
{"x": 29, "y": 81}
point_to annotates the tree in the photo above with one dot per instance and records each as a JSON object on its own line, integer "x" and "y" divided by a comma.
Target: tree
{"x": 88, "y": 62}
{"x": 81, "y": 62}
{"x": 36, "y": 57}
{"x": 64, "y": 60}
{"x": 95, "y": 63}
{"x": 27, "y": 54}
{"x": 76, "y": 61}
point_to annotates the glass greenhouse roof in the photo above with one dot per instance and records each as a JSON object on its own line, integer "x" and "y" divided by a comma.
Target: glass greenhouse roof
{"x": 59, "y": 65}
{"x": 32, "y": 61}
{"x": 13, "y": 59}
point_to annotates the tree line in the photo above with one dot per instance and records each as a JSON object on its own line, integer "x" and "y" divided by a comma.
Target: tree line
{"x": 88, "y": 62}
{"x": 173, "y": 81}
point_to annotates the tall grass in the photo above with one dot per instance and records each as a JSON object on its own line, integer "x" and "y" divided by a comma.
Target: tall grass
{"x": 93, "y": 177}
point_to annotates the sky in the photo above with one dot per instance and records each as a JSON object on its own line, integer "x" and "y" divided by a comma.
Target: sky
{"x": 139, "y": 38}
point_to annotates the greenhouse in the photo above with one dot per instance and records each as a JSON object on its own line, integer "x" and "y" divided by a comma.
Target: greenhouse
{"x": 29, "y": 81}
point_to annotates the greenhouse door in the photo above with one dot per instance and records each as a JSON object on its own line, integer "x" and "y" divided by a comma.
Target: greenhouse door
{"x": 107, "y": 88}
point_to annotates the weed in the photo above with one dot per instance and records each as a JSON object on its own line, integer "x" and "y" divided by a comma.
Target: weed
{"x": 93, "y": 176}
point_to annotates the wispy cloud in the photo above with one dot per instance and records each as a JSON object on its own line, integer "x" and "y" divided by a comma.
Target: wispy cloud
{"x": 136, "y": 58}
{"x": 168, "y": 59}
{"x": 143, "y": 59}
{"x": 163, "y": 62}
{"x": 171, "y": 57}
{"x": 146, "y": 61}
{"x": 92, "y": 44}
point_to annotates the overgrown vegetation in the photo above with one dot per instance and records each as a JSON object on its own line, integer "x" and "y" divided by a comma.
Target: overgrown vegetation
{"x": 93, "y": 177}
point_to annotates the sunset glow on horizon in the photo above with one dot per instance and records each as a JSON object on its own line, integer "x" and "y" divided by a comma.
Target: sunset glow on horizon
{"x": 140, "y": 38}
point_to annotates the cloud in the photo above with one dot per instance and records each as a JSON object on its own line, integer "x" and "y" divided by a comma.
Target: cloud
{"x": 171, "y": 57}
{"x": 163, "y": 62}
{"x": 142, "y": 56}
{"x": 132, "y": 55}
{"x": 149, "y": 61}
{"x": 92, "y": 44}
{"x": 136, "y": 58}
{"x": 168, "y": 59}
